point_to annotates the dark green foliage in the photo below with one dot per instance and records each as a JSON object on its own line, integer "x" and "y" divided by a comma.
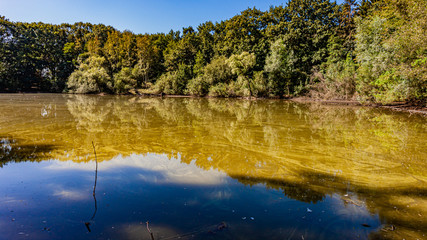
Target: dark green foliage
{"x": 31, "y": 57}
{"x": 335, "y": 78}
{"x": 216, "y": 72}
{"x": 124, "y": 80}
{"x": 174, "y": 82}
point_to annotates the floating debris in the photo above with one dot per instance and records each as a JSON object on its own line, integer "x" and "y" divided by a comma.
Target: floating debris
{"x": 347, "y": 199}
{"x": 252, "y": 218}
{"x": 309, "y": 210}
{"x": 87, "y": 224}
{"x": 386, "y": 229}
{"x": 366, "y": 225}
{"x": 244, "y": 218}
{"x": 221, "y": 226}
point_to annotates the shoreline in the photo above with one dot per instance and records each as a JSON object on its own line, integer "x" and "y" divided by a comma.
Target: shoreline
{"x": 411, "y": 107}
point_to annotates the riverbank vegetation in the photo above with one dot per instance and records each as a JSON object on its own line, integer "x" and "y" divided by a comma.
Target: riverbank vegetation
{"x": 371, "y": 50}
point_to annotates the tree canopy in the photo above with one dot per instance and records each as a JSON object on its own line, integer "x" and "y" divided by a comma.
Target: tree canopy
{"x": 371, "y": 50}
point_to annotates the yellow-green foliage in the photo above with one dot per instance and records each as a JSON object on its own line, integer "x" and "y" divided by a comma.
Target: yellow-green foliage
{"x": 242, "y": 65}
{"x": 124, "y": 80}
{"x": 90, "y": 77}
{"x": 218, "y": 71}
{"x": 391, "y": 49}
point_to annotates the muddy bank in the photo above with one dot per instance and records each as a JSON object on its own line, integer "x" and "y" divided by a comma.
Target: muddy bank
{"x": 411, "y": 107}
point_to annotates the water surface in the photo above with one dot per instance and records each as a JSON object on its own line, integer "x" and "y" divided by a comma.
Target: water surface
{"x": 208, "y": 169}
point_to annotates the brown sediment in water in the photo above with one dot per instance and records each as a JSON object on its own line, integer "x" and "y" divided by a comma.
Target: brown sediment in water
{"x": 411, "y": 107}
{"x": 306, "y": 150}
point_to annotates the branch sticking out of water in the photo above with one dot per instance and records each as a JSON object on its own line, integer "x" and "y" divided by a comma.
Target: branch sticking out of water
{"x": 151, "y": 233}
{"x": 96, "y": 169}
{"x": 87, "y": 224}
{"x": 96, "y": 179}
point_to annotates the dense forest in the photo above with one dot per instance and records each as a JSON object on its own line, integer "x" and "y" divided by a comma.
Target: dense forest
{"x": 370, "y": 51}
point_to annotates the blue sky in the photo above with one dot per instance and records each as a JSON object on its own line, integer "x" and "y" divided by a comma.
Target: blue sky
{"x": 141, "y": 16}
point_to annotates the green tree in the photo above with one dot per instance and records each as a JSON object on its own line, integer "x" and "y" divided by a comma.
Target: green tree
{"x": 305, "y": 28}
{"x": 183, "y": 51}
{"x": 120, "y": 50}
{"x": 374, "y": 58}
{"x": 216, "y": 72}
{"x": 281, "y": 68}
{"x": 243, "y": 33}
{"x": 124, "y": 80}
{"x": 91, "y": 77}
{"x": 148, "y": 60}
{"x": 174, "y": 82}
{"x": 242, "y": 65}
{"x": 391, "y": 55}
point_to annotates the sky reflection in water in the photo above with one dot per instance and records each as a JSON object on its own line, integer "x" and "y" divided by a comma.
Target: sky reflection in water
{"x": 208, "y": 169}
{"x": 53, "y": 199}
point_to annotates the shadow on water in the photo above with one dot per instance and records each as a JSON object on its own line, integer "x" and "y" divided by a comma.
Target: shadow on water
{"x": 297, "y": 191}
{"x": 12, "y": 150}
{"x": 401, "y": 209}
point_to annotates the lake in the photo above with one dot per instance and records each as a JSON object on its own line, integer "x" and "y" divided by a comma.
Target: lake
{"x": 123, "y": 167}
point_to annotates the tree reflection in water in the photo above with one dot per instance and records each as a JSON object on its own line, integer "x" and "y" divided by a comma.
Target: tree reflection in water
{"x": 308, "y": 151}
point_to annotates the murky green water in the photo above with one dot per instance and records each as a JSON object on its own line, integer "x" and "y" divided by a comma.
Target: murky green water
{"x": 208, "y": 169}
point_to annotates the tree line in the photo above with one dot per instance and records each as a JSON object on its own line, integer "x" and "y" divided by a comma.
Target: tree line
{"x": 371, "y": 50}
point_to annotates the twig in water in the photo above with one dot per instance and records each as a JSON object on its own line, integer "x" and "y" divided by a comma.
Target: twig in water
{"x": 151, "y": 234}
{"x": 94, "y": 185}
{"x": 96, "y": 169}
{"x": 87, "y": 224}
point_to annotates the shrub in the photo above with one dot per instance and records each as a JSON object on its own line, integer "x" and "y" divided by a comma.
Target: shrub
{"x": 218, "y": 71}
{"x": 337, "y": 80}
{"x": 197, "y": 86}
{"x": 124, "y": 80}
{"x": 260, "y": 85}
{"x": 174, "y": 82}
{"x": 90, "y": 77}
{"x": 219, "y": 90}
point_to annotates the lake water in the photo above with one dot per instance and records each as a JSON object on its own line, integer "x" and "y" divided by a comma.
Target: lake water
{"x": 208, "y": 169}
